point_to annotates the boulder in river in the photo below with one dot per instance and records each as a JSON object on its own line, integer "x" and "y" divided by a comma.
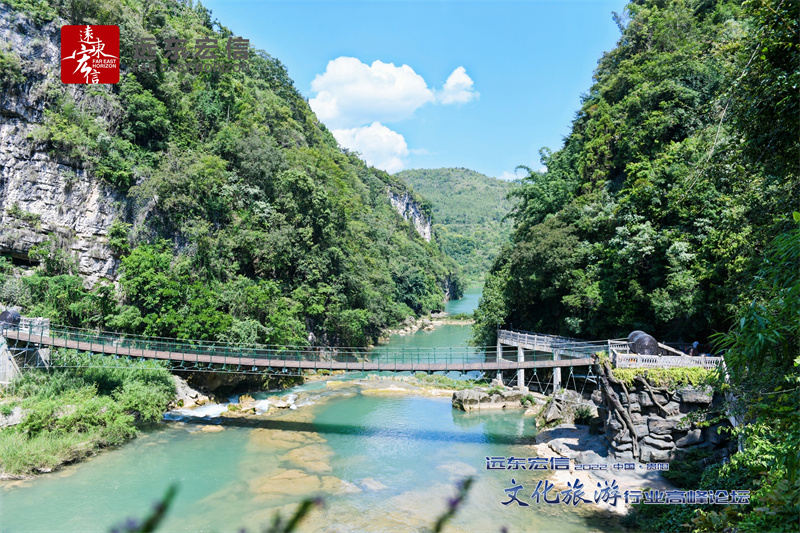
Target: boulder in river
{"x": 186, "y": 396}
{"x": 551, "y": 412}
{"x": 472, "y": 399}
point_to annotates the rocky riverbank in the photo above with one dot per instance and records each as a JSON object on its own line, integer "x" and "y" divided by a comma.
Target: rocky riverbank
{"x": 582, "y": 447}
{"x": 411, "y": 325}
{"x": 496, "y": 397}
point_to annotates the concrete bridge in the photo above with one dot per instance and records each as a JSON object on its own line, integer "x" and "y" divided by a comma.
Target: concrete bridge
{"x": 570, "y": 352}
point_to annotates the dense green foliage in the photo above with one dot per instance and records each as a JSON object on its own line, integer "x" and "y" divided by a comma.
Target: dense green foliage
{"x": 83, "y": 404}
{"x": 681, "y": 167}
{"x": 241, "y": 218}
{"x": 670, "y": 378}
{"x": 469, "y": 211}
{"x": 669, "y": 209}
{"x": 763, "y": 365}
{"x": 762, "y": 350}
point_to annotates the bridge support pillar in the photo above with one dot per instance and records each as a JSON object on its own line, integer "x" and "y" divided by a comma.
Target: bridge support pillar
{"x": 521, "y": 372}
{"x": 8, "y": 367}
{"x": 556, "y": 372}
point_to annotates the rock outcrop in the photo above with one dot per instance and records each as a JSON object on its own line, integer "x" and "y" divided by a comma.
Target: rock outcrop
{"x": 409, "y": 209}
{"x": 186, "y": 396}
{"x": 42, "y": 193}
{"x": 13, "y": 418}
{"x": 650, "y": 424}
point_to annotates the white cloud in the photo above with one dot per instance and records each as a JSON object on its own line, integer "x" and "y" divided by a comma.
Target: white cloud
{"x": 351, "y": 93}
{"x": 518, "y": 174}
{"x": 353, "y": 99}
{"x": 379, "y": 146}
{"x": 509, "y": 176}
{"x": 457, "y": 89}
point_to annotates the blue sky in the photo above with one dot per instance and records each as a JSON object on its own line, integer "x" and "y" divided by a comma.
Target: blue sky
{"x": 481, "y": 85}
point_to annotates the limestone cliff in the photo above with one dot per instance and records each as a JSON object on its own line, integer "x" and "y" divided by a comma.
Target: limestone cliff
{"x": 51, "y": 193}
{"x": 409, "y": 209}
{"x": 43, "y": 194}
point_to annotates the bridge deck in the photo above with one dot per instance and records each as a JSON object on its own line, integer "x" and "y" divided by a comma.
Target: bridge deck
{"x": 291, "y": 363}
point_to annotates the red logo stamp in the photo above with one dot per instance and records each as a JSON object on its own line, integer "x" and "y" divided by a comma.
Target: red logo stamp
{"x": 90, "y": 54}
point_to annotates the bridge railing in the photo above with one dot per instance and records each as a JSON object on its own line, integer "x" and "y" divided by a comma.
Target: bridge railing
{"x": 666, "y": 361}
{"x": 206, "y": 352}
{"x": 199, "y": 351}
{"x": 565, "y": 347}
{"x": 618, "y": 346}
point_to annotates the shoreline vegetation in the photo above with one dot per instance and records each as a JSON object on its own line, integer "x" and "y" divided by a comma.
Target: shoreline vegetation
{"x": 66, "y": 414}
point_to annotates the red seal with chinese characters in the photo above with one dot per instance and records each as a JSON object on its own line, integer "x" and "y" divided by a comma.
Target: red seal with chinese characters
{"x": 90, "y": 54}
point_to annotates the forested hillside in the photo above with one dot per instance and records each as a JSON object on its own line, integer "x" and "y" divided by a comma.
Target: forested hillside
{"x": 673, "y": 207}
{"x": 238, "y": 216}
{"x": 468, "y": 215}
{"x": 681, "y": 167}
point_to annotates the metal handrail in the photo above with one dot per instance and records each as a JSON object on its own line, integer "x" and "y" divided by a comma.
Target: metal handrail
{"x": 179, "y": 349}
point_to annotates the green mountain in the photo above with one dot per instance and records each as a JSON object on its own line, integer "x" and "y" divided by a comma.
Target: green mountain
{"x": 680, "y": 169}
{"x": 468, "y": 214}
{"x": 214, "y": 197}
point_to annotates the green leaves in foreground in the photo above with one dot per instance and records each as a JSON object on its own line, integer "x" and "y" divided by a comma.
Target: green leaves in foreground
{"x": 279, "y": 524}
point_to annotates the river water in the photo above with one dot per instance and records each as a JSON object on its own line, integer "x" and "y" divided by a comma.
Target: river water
{"x": 381, "y": 461}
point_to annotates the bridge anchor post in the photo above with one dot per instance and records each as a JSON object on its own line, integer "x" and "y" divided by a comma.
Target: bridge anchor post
{"x": 521, "y": 371}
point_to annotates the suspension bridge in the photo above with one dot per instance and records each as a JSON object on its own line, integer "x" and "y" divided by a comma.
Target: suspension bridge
{"x": 26, "y": 343}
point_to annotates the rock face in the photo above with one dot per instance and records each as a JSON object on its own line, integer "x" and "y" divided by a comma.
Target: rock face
{"x": 662, "y": 432}
{"x": 449, "y": 288}
{"x": 42, "y": 193}
{"x": 409, "y": 209}
{"x": 187, "y": 396}
{"x": 551, "y": 412}
{"x": 13, "y": 418}
{"x": 696, "y": 395}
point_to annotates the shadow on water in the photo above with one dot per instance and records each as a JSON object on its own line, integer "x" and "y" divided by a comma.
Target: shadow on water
{"x": 341, "y": 429}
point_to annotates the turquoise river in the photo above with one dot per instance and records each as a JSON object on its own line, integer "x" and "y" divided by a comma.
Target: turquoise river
{"x": 380, "y": 462}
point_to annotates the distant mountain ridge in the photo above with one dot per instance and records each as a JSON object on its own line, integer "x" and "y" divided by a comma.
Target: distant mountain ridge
{"x": 468, "y": 210}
